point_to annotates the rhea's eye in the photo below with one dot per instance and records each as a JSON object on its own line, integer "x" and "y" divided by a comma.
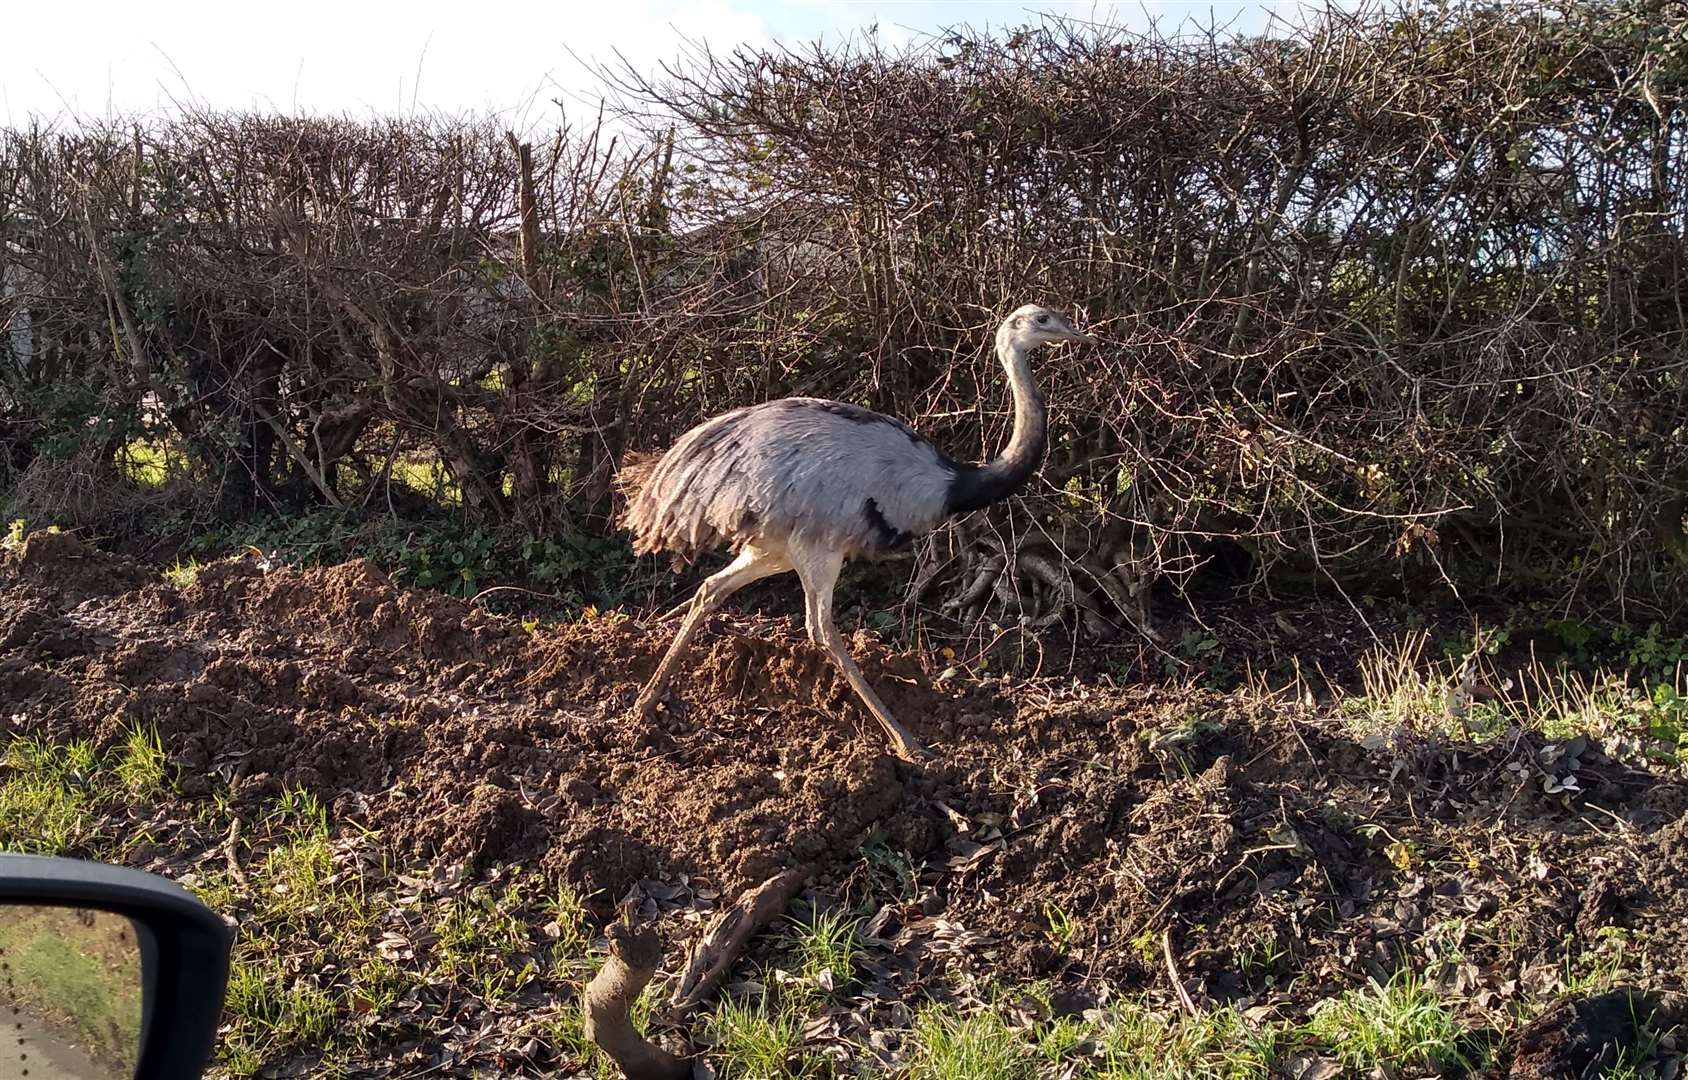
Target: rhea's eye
{"x": 1042, "y": 320}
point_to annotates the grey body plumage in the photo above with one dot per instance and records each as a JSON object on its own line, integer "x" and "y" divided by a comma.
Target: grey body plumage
{"x": 819, "y": 472}
{"x": 803, "y": 484}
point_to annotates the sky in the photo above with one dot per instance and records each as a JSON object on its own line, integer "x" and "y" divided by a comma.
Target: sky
{"x": 515, "y": 58}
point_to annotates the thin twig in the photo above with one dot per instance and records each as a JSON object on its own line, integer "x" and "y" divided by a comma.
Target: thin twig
{"x": 1172, "y": 972}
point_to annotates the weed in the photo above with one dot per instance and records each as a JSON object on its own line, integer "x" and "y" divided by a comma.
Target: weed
{"x": 1631, "y": 722}
{"x": 1480, "y": 642}
{"x": 1599, "y": 968}
{"x": 1652, "y": 652}
{"x": 1204, "y": 651}
{"x": 827, "y": 947}
{"x": 1259, "y": 958}
{"x": 892, "y": 872}
{"x": 1147, "y": 947}
{"x": 1400, "y": 691}
{"x": 182, "y": 575}
{"x": 1444, "y": 942}
{"x": 1667, "y": 714}
{"x": 1064, "y": 928}
{"x": 756, "y": 1042}
{"x": 980, "y": 1046}
{"x": 1402, "y": 1025}
{"x": 1140, "y": 1044}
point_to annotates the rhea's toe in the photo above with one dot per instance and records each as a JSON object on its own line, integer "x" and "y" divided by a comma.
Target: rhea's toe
{"x": 914, "y": 753}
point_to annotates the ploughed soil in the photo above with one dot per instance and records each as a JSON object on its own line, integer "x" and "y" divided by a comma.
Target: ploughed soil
{"x": 1070, "y": 832}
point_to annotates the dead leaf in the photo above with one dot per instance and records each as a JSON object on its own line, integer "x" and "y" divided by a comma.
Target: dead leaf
{"x": 1311, "y": 1066}
{"x": 956, "y": 818}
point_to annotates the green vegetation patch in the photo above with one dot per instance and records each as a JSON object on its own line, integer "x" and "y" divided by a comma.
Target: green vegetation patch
{"x": 78, "y": 971}
{"x": 52, "y": 795}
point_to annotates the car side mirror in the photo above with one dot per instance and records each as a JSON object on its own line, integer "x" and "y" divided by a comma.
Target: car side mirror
{"x": 106, "y": 972}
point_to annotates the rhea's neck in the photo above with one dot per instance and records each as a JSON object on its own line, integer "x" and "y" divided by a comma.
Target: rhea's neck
{"x": 978, "y": 486}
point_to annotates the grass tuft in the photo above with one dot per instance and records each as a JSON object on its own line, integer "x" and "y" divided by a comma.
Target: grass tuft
{"x": 182, "y": 575}
{"x": 52, "y": 794}
{"x": 756, "y": 1041}
{"x": 827, "y": 944}
{"x": 1403, "y": 1025}
{"x": 1400, "y": 689}
{"x": 1140, "y": 1044}
{"x": 140, "y": 764}
{"x": 484, "y": 941}
{"x": 980, "y": 1046}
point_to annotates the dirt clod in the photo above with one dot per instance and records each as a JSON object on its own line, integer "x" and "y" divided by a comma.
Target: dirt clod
{"x": 1582, "y": 1037}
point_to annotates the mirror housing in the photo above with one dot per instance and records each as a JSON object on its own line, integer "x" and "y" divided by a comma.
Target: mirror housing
{"x": 184, "y": 949}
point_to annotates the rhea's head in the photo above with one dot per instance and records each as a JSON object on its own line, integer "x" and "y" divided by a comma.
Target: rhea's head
{"x": 1035, "y": 325}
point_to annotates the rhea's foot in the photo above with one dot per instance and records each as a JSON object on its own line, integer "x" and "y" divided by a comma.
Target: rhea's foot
{"x": 910, "y": 751}
{"x": 644, "y": 708}
{"x": 904, "y": 745}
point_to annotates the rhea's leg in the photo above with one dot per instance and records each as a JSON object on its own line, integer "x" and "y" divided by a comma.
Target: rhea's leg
{"x": 752, "y": 564}
{"x": 819, "y": 571}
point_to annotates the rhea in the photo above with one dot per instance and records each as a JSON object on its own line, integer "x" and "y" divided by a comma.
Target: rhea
{"x": 804, "y": 484}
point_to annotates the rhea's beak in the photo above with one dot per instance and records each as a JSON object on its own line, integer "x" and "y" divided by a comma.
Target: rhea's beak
{"x": 1075, "y": 334}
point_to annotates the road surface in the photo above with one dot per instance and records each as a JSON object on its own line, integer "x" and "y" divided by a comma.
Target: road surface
{"x": 29, "y": 1051}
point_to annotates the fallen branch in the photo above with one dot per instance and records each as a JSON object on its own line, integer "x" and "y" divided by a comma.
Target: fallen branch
{"x": 1115, "y": 577}
{"x": 713, "y": 956}
{"x": 231, "y": 849}
{"x": 1045, "y": 579}
{"x": 297, "y": 453}
{"x": 979, "y": 587}
{"x": 610, "y": 995}
{"x": 1172, "y": 972}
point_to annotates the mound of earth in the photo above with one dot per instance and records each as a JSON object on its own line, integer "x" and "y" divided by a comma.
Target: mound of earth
{"x": 1073, "y": 832}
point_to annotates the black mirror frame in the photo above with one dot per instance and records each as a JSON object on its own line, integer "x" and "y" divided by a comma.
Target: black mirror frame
{"x": 184, "y": 952}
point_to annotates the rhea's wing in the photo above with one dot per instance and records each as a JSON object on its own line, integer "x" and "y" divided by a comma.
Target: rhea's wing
{"x": 835, "y": 474}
